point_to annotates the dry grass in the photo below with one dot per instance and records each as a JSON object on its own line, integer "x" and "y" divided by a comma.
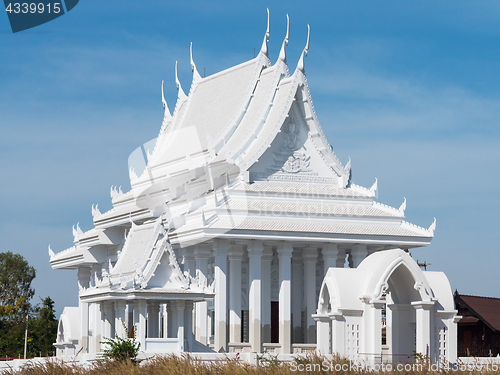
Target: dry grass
{"x": 184, "y": 366}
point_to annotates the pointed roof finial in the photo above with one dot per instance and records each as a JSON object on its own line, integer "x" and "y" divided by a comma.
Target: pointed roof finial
{"x": 301, "y": 64}
{"x": 285, "y": 42}
{"x": 196, "y": 75}
{"x": 165, "y": 105}
{"x": 181, "y": 95}
{"x": 264, "y": 43}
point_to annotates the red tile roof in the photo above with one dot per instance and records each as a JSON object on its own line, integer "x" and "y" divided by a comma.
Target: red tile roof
{"x": 486, "y": 308}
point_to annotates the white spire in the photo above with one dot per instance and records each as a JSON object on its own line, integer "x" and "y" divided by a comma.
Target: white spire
{"x": 196, "y": 75}
{"x": 181, "y": 95}
{"x": 167, "y": 114}
{"x": 285, "y": 42}
{"x": 432, "y": 228}
{"x": 264, "y": 43}
{"x": 301, "y": 64}
{"x": 374, "y": 187}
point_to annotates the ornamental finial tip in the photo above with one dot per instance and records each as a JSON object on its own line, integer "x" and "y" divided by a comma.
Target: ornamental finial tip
{"x": 165, "y": 105}
{"x": 301, "y": 64}
{"x": 196, "y": 75}
{"x": 285, "y": 42}
{"x": 181, "y": 94}
{"x": 264, "y": 49}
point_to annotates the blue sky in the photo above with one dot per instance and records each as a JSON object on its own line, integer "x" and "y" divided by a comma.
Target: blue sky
{"x": 409, "y": 90}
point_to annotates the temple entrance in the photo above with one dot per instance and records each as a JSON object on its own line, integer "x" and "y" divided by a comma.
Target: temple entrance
{"x": 401, "y": 314}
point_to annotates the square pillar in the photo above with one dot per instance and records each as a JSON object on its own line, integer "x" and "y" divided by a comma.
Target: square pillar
{"x": 188, "y": 326}
{"x": 285, "y": 250}
{"x": 107, "y": 318}
{"x": 309, "y": 256}
{"x": 267, "y": 257}
{"x": 255, "y": 250}
{"x": 221, "y": 248}
{"x": 120, "y": 310}
{"x": 296, "y": 286}
{"x": 153, "y": 319}
{"x": 140, "y": 313}
{"x": 84, "y": 327}
{"x": 424, "y": 326}
{"x": 180, "y": 324}
{"x": 202, "y": 253}
{"x": 323, "y": 334}
{"x": 235, "y": 257}
{"x": 97, "y": 329}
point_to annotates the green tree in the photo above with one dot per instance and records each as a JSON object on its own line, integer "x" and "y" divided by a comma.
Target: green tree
{"x": 43, "y": 330}
{"x": 16, "y": 276}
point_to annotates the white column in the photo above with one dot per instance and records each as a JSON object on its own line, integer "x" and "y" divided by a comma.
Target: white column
{"x": 221, "y": 248}
{"x": 141, "y": 308}
{"x": 338, "y": 333}
{"x": 235, "y": 257}
{"x": 97, "y": 329}
{"x": 107, "y": 318}
{"x": 202, "y": 253}
{"x": 267, "y": 257}
{"x": 153, "y": 319}
{"x": 296, "y": 286}
{"x": 172, "y": 319}
{"x": 84, "y": 283}
{"x": 372, "y": 334}
{"x": 180, "y": 325}
{"x": 323, "y": 334}
{"x": 120, "y": 330}
{"x": 84, "y": 326}
{"x": 333, "y": 256}
{"x": 424, "y": 318}
{"x": 285, "y": 250}
{"x": 188, "y": 326}
{"x": 309, "y": 256}
{"x": 358, "y": 253}
{"x": 255, "y": 249}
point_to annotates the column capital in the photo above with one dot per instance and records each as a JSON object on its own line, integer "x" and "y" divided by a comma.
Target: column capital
{"x": 267, "y": 254}
{"x": 310, "y": 254}
{"x": 236, "y": 252}
{"x": 255, "y": 248}
{"x": 221, "y": 247}
{"x": 202, "y": 251}
{"x": 285, "y": 250}
{"x": 424, "y": 305}
{"x": 330, "y": 250}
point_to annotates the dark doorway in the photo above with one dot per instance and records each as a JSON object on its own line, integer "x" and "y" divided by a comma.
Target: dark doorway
{"x": 275, "y": 322}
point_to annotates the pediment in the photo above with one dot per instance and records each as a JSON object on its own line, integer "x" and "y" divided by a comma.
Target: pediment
{"x": 293, "y": 155}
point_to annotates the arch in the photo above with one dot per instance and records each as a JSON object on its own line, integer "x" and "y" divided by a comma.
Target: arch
{"x": 382, "y": 265}
{"x": 328, "y": 295}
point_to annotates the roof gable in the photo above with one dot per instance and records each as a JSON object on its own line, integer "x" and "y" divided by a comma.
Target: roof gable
{"x": 486, "y": 308}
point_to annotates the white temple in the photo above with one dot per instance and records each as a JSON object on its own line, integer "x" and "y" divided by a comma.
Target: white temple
{"x": 242, "y": 232}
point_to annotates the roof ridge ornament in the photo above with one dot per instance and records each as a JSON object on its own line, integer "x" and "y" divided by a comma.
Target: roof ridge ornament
{"x": 301, "y": 64}
{"x": 285, "y": 42}
{"x": 264, "y": 49}
{"x": 402, "y": 208}
{"x": 181, "y": 95}
{"x": 432, "y": 228}
{"x": 196, "y": 75}
{"x": 167, "y": 115}
{"x": 374, "y": 188}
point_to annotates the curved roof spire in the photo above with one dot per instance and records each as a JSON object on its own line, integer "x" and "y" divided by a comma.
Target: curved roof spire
{"x": 180, "y": 95}
{"x": 285, "y": 42}
{"x": 263, "y": 49}
{"x": 301, "y": 64}
{"x": 196, "y": 75}
{"x": 167, "y": 115}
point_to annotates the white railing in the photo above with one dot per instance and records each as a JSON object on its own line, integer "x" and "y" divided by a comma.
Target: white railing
{"x": 271, "y": 347}
{"x": 239, "y": 347}
{"x": 303, "y": 348}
